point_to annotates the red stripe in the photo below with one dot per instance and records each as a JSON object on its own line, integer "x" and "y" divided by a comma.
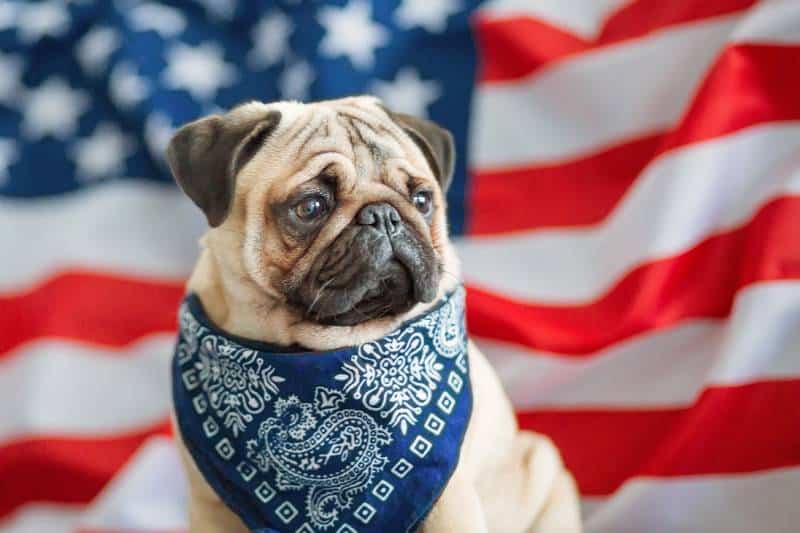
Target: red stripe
{"x": 64, "y": 469}
{"x": 573, "y": 193}
{"x": 115, "y": 312}
{"x": 513, "y": 47}
{"x": 700, "y": 282}
{"x": 748, "y": 85}
{"x": 100, "y": 308}
{"x": 646, "y": 16}
{"x": 728, "y": 430}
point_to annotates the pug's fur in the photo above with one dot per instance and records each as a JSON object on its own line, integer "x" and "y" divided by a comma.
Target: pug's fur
{"x": 261, "y": 277}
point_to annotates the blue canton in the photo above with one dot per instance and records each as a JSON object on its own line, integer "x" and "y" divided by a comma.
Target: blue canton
{"x": 358, "y": 439}
{"x": 92, "y": 90}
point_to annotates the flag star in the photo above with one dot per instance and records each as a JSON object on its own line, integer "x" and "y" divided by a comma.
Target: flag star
{"x": 95, "y": 48}
{"x": 103, "y": 154}
{"x": 408, "y": 93}
{"x": 8, "y": 14}
{"x": 52, "y": 108}
{"x": 296, "y": 80}
{"x": 164, "y": 20}
{"x": 271, "y": 39}
{"x": 45, "y": 19}
{"x": 351, "y": 32}
{"x": 201, "y": 70}
{"x": 221, "y": 9}
{"x": 11, "y": 67}
{"x": 158, "y": 131}
{"x": 8, "y": 155}
{"x": 126, "y": 87}
{"x": 429, "y": 14}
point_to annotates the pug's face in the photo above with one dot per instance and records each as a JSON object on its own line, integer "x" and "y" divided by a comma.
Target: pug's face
{"x": 334, "y": 209}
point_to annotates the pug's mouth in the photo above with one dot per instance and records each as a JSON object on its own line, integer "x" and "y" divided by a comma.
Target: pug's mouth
{"x": 392, "y": 294}
{"x": 368, "y": 274}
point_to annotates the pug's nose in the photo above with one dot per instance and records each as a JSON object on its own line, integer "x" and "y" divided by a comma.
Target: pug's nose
{"x": 381, "y": 216}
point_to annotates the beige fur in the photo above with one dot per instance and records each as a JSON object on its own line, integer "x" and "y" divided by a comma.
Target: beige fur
{"x": 506, "y": 480}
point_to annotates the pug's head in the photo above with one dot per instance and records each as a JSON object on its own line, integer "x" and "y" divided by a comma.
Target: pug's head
{"x": 333, "y": 210}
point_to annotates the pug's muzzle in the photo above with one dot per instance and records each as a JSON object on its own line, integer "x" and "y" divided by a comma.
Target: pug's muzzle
{"x": 377, "y": 266}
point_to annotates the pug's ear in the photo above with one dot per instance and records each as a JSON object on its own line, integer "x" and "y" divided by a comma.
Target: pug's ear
{"x": 435, "y": 142}
{"x": 205, "y": 156}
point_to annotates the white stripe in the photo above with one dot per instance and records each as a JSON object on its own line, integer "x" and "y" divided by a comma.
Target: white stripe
{"x": 41, "y": 518}
{"x": 148, "y": 494}
{"x": 582, "y": 17}
{"x": 591, "y": 504}
{"x": 668, "y": 368}
{"x": 678, "y": 201}
{"x": 133, "y": 227}
{"x": 594, "y": 99}
{"x": 62, "y": 388}
{"x": 772, "y": 21}
{"x": 741, "y": 503}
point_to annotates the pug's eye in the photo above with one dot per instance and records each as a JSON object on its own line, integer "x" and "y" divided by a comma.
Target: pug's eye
{"x": 311, "y": 208}
{"x": 423, "y": 201}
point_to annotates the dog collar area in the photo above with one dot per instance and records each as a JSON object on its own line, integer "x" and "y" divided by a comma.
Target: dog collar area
{"x": 362, "y": 438}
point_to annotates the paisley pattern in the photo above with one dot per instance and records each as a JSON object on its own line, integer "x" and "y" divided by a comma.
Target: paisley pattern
{"x": 237, "y": 383}
{"x": 449, "y": 339}
{"x": 360, "y": 439}
{"x": 347, "y": 442}
{"x": 396, "y": 375}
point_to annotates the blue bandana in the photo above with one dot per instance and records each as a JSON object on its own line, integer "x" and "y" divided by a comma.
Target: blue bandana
{"x": 363, "y": 438}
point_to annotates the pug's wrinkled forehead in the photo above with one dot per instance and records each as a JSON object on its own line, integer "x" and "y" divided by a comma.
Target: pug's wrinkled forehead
{"x": 340, "y": 203}
{"x": 376, "y": 141}
{"x": 289, "y": 135}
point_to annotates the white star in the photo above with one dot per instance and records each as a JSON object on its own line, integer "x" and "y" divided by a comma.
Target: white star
{"x": 271, "y": 39}
{"x": 38, "y": 20}
{"x": 295, "y": 81}
{"x": 8, "y": 14}
{"x": 429, "y": 14}
{"x": 103, "y": 154}
{"x": 158, "y": 131}
{"x": 8, "y": 154}
{"x": 221, "y": 9}
{"x": 126, "y": 87}
{"x": 408, "y": 93}
{"x": 94, "y": 49}
{"x": 351, "y": 32}
{"x": 52, "y": 108}
{"x": 201, "y": 70}
{"x": 11, "y": 67}
{"x": 164, "y": 20}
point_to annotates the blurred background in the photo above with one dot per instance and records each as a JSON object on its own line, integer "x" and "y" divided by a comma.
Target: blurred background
{"x": 626, "y": 206}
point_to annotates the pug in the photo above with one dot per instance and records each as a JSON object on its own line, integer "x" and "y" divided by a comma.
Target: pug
{"x": 327, "y": 228}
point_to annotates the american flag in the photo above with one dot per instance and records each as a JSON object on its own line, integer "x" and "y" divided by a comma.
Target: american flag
{"x": 626, "y": 206}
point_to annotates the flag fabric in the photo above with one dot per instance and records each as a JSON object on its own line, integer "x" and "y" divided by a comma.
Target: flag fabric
{"x": 626, "y": 207}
